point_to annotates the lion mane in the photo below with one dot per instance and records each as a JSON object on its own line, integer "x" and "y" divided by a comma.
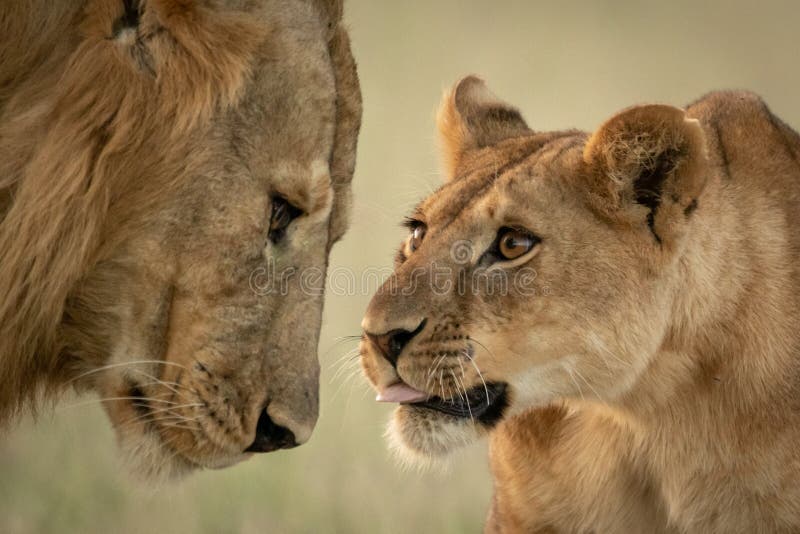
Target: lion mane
{"x": 64, "y": 159}
{"x": 85, "y": 98}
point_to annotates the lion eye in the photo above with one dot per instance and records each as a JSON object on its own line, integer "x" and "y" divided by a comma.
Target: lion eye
{"x": 513, "y": 243}
{"x": 417, "y": 235}
{"x": 283, "y": 213}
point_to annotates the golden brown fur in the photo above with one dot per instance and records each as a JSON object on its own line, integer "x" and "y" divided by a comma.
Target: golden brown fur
{"x": 652, "y": 363}
{"x": 141, "y": 143}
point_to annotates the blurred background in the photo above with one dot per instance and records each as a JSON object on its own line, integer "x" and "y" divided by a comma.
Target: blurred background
{"x": 565, "y": 64}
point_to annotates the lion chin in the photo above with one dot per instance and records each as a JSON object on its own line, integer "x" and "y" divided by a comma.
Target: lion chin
{"x": 150, "y": 462}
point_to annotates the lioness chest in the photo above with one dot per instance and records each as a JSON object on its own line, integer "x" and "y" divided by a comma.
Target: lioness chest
{"x": 581, "y": 468}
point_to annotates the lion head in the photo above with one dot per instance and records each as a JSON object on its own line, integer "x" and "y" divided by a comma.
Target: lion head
{"x": 545, "y": 267}
{"x": 173, "y": 174}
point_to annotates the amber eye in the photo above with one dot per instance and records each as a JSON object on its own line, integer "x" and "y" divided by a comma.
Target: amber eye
{"x": 417, "y": 235}
{"x": 513, "y": 243}
{"x": 283, "y": 213}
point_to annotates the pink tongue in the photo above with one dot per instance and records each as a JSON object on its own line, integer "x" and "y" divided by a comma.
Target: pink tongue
{"x": 401, "y": 392}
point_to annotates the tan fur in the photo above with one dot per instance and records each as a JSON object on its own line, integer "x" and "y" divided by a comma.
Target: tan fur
{"x": 472, "y": 117}
{"x": 651, "y": 359}
{"x": 137, "y": 164}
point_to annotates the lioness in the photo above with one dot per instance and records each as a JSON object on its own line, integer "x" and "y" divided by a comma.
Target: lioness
{"x": 168, "y": 168}
{"x": 631, "y": 344}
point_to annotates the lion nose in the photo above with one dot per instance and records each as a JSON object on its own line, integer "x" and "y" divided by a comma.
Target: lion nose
{"x": 392, "y": 343}
{"x": 271, "y": 437}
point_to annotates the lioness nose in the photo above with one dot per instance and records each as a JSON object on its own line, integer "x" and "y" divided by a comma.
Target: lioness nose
{"x": 271, "y": 437}
{"x": 392, "y": 343}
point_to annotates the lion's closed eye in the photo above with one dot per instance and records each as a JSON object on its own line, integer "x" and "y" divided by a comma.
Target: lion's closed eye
{"x": 283, "y": 213}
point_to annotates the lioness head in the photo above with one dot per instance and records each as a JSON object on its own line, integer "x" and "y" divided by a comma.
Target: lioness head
{"x": 172, "y": 181}
{"x": 544, "y": 268}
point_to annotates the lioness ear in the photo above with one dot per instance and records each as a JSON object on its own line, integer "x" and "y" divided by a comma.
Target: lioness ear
{"x": 648, "y": 164}
{"x": 471, "y": 117}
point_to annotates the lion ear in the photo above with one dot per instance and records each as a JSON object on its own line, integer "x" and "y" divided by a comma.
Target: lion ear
{"x": 647, "y": 164}
{"x": 472, "y": 117}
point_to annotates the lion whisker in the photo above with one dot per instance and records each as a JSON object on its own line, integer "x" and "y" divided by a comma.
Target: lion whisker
{"x": 110, "y": 399}
{"x": 162, "y": 383}
{"x": 167, "y": 382}
{"x": 122, "y": 364}
{"x": 150, "y": 413}
{"x": 180, "y": 426}
{"x": 178, "y": 452}
{"x": 159, "y": 420}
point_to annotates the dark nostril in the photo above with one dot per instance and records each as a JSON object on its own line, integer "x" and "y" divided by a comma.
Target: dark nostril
{"x": 392, "y": 343}
{"x": 270, "y": 437}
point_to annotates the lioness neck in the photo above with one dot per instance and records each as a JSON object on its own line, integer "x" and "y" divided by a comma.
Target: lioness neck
{"x": 725, "y": 380}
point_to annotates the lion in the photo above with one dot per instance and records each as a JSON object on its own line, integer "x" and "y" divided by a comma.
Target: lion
{"x": 617, "y": 311}
{"x": 168, "y": 170}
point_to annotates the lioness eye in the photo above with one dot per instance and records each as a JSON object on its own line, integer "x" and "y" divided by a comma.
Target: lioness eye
{"x": 283, "y": 213}
{"x": 513, "y": 243}
{"x": 417, "y": 235}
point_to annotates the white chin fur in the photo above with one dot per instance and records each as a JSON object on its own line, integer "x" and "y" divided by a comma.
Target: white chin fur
{"x": 421, "y": 438}
{"x": 149, "y": 462}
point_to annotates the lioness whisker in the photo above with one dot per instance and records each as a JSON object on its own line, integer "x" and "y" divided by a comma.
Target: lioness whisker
{"x": 587, "y": 383}
{"x": 572, "y": 377}
{"x": 340, "y": 341}
{"x": 438, "y": 361}
{"x": 441, "y": 381}
{"x": 349, "y": 358}
{"x": 348, "y": 379}
{"x": 471, "y": 360}
{"x": 346, "y": 366}
{"x": 601, "y": 347}
{"x": 463, "y": 379}
{"x": 481, "y": 345}
{"x": 432, "y": 371}
{"x": 455, "y": 385}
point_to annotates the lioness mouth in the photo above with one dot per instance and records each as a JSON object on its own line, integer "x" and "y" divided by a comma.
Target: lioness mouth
{"x": 484, "y": 403}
